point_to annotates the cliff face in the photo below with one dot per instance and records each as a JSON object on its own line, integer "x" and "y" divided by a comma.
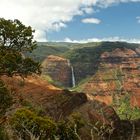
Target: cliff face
{"x": 114, "y": 72}
{"x": 58, "y": 69}
{"x": 61, "y": 104}
{"x": 56, "y": 102}
{"x": 35, "y": 91}
{"x": 118, "y": 74}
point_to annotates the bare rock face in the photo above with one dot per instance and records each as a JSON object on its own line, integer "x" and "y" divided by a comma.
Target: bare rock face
{"x": 118, "y": 74}
{"x": 119, "y": 53}
{"x": 58, "y": 69}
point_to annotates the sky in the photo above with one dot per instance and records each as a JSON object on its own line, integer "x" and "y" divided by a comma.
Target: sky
{"x": 77, "y": 20}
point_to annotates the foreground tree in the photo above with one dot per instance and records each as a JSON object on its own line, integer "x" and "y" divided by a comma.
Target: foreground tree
{"x": 16, "y": 40}
{"x": 28, "y": 125}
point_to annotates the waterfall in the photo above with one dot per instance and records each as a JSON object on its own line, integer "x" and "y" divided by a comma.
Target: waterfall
{"x": 73, "y": 77}
{"x": 68, "y": 61}
{"x": 72, "y": 74}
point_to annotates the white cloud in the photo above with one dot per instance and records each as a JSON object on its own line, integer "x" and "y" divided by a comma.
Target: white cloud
{"x": 40, "y": 36}
{"x": 49, "y": 15}
{"x": 91, "y": 20}
{"x": 111, "y": 39}
{"x": 138, "y": 19}
{"x": 107, "y": 3}
{"x": 88, "y": 10}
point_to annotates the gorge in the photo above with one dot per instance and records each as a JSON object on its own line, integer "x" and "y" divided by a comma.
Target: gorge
{"x": 59, "y": 69}
{"x": 107, "y": 72}
{"x": 104, "y": 78}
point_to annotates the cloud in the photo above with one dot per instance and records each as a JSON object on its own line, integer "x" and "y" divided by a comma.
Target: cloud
{"x": 88, "y": 10}
{"x": 111, "y": 39}
{"x": 50, "y": 15}
{"x": 91, "y": 20}
{"x": 45, "y": 15}
{"x": 40, "y": 36}
{"x": 138, "y": 19}
{"x": 107, "y": 3}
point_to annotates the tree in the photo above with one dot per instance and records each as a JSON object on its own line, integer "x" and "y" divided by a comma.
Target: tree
{"x": 15, "y": 40}
{"x": 28, "y": 125}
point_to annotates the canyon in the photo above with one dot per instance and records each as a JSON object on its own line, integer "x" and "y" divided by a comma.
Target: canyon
{"x": 107, "y": 77}
{"x": 87, "y": 79}
{"x": 60, "y": 70}
{"x": 61, "y": 104}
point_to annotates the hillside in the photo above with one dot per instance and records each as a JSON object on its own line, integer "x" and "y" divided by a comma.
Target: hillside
{"x": 85, "y": 58}
{"x": 36, "y": 94}
{"x": 58, "y": 69}
{"x": 108, "y": 71}
{"x": 49, "y": 48}
{"x": 40, "y": 96}
{"x": 104, "y": 73}
{"x": 118, "y": 74}
{"x": 67, "y": 91}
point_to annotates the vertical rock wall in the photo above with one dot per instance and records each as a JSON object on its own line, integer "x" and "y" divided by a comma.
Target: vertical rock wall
{"x": 58, "y": 69}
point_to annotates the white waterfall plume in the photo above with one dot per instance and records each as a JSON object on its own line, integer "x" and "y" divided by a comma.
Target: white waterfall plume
{"x": 73, "y": 77}
{"x": 72, "y": 74}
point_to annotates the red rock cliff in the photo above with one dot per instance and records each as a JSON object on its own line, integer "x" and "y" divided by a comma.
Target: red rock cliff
{"x": 117, "y": 75}
{"x": 58, "y": 69}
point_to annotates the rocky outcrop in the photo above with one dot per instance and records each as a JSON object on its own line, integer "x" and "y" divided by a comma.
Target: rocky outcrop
{"x": 58, "y": 69}
{"x": 55, "y": 102}
{"x": 60, "y": 104}
{"x": 117, "y": 75}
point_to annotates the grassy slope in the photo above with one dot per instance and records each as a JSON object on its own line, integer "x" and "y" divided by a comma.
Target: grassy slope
{"x": 44, "y": 49}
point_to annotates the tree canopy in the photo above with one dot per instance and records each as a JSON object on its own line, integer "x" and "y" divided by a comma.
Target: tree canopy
{"x": 16, "y": 40}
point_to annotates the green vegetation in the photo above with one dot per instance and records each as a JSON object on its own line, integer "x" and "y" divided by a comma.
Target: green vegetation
{"x": 29, "y": 122}
{"x": 47, "y": 78}
{"x": 126, "y": 111}
{"x": 5, "y": 99}
{"x": 28, "y": 125}
{"x": 86, "y": 57}
{"x": 15, "y": 40}
{"x": 3, "y": 135}
{"x": 45, "y": 49}
{"x": 79, "y": 87}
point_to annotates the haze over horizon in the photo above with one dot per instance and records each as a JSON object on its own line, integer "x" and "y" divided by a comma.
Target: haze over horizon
{"x": 77, "y": 20}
